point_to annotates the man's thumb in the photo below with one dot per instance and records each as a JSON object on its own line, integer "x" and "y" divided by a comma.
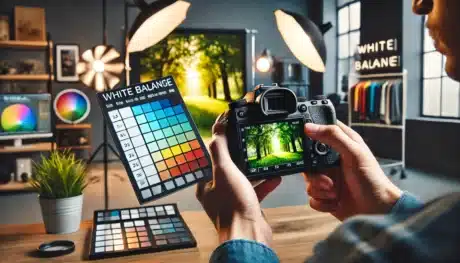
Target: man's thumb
{"x": 331, "y": 135}
{"x": 218, "y": 147}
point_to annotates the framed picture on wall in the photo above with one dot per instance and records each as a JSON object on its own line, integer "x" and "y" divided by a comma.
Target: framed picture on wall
{"x": 67, "y": 56}
{"x": 29, "y": 23}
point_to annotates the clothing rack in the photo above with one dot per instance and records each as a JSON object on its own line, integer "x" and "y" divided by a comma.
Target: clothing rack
{"x": 384, "y": 163}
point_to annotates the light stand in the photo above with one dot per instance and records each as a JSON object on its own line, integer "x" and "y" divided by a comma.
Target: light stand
{"x": 104, "y": 146}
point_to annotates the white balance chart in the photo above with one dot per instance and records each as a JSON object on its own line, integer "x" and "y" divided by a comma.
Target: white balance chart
{"x": 161, "y": 148}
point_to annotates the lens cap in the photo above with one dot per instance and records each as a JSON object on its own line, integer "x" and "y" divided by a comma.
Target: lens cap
{"x": 56, "y": 248}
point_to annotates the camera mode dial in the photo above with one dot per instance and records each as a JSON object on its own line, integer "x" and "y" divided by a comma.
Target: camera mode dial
{"x": 302, "y": 108}
{"x": 321, "y": 148}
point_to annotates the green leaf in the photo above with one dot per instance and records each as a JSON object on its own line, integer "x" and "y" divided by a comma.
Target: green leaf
{"x": 60, "y": 175}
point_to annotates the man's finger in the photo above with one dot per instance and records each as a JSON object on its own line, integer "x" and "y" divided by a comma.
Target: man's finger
{"x": 318, "y": 193}
{"x": 224, "y": 170}
{"x": 263, "y": 189}
{"x": 218, "y": 146}
{"x": 323, "y": 206}
{"x": 350, "y": 132}
{"x": 331, "y": 135}
{"x": 202, "y": 188}
{"x": 320, "y": 181}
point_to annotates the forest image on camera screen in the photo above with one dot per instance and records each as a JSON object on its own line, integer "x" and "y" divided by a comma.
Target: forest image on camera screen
{"x": 275, "y": 145}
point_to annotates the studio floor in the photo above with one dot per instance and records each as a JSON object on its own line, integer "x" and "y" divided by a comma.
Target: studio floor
{"x": 24, "y": 208}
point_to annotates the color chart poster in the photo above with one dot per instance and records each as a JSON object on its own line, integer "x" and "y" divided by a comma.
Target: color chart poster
{"x": 159, "y": 143}
{"x": 380, "y": 48}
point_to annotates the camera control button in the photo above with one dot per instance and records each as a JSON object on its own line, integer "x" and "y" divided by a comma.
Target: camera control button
{"x": 319, "y": 97}
{"x": 242, "y": 114}
{"x": 238, "y": 103}
{"x": 303, "y": 108}
{"x": 324, "y": 102}
{"x": 321, "y": 148}
{"x": 314, "y": 162}
{"x": 314, "y": 102}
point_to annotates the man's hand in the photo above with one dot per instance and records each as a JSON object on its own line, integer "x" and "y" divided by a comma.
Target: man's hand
{"x": 359, "y": 186}
{"x": 230, "y": 200}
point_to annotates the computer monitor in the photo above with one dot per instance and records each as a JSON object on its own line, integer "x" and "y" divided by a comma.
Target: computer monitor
{"x": 24, "y": 116}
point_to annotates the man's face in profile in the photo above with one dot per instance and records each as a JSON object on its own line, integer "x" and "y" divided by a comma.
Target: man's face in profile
{"x": 444, "y": 26}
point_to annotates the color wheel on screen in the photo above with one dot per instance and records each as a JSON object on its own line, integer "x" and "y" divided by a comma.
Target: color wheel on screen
{"x": 71, "y": 106}
{"x": 17, "y": 118}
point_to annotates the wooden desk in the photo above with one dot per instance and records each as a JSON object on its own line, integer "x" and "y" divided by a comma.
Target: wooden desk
{"x": 296, "y": 230}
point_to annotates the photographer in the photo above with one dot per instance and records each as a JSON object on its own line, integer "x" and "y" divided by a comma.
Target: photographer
{"x": 381, "y": 223}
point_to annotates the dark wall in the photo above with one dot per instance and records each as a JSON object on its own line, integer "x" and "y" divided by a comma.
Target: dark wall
{"x": 433, "y": 146}
{"x": 80, "y": 22}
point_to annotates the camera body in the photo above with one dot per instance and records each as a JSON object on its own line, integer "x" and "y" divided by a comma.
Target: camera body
{"x": 266, "y": 136}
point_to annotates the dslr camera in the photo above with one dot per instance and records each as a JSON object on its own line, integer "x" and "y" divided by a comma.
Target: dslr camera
{"x": 266, "y": 133}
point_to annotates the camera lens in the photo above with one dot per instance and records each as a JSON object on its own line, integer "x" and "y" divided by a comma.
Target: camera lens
{"x": 321, "y": 148}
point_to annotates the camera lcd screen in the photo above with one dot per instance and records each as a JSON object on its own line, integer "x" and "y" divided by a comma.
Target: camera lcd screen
{"x": 274, "y": 146}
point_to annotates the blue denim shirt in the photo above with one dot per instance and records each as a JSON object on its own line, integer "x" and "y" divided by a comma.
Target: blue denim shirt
{"x": 411, "y": 232}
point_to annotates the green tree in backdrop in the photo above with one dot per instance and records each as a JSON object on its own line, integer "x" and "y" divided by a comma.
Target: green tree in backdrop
{"x": 208, "y": 70}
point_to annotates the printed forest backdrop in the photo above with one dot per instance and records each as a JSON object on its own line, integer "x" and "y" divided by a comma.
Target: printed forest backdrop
{"x": 208, "y": 69}
{"x": 273, "y": 144}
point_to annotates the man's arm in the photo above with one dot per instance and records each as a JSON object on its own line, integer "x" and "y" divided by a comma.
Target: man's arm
{"x": 243, "y": 251}
{"x": 343, "y": 241}
{"x": 410, "y": 233}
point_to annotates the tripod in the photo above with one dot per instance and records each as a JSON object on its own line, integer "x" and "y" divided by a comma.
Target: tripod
{"x": 104, "y": 146}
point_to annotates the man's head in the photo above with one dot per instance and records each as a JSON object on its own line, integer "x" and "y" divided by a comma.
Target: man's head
{"x": 444, "y": 26}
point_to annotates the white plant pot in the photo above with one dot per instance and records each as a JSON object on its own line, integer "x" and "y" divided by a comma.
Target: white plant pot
{"x": 63, "y": 215}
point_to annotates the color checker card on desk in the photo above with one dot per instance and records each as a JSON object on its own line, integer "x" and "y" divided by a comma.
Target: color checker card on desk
{"x": 127, "y": 231}
{"x": 160, "y": 146}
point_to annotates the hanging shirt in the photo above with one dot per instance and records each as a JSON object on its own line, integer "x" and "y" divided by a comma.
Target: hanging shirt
{"x": 363, "y": 100}
{"x": 378, "y": 97}
{"x": 383, "y": 100}
{"x": 368, "y": 99}
{"x": 351, "y": 97}
{"x": 372, "y": 91}
{"x": 396, "y": 101}
{"x": 388, "y": 102}
{"x": 356, "y": 98}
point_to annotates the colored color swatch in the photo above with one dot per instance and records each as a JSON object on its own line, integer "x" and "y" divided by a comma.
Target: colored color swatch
{"x": 18, "y": 117}
{"x": 138, "y": 230}
{"x": 162, "y": 149}
{"x": 71, "y": 106}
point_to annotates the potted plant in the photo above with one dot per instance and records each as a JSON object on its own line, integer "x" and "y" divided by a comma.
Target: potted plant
{"x": 60, "y": 181}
